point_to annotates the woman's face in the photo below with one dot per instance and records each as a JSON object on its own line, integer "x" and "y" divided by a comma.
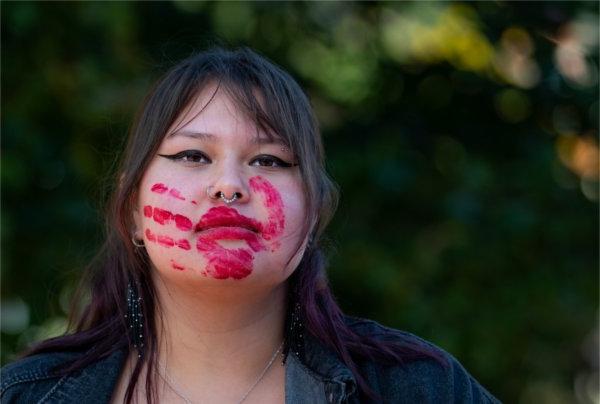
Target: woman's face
{"x": 190, "y": 231}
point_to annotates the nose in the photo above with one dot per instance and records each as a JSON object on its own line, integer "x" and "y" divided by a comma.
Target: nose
{"x": 229, "y": 186}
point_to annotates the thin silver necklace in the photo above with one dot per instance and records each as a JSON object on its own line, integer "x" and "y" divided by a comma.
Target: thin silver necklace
{"x": 176, "y": 389}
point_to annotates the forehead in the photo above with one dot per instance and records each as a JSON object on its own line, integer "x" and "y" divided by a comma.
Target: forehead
{"x": 214, "y": 115}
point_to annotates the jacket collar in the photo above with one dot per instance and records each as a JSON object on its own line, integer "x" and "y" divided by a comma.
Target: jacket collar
{"x": 320, "y": 362}
{"x": 99, "y": 377}
{"x": 326, "y": 364}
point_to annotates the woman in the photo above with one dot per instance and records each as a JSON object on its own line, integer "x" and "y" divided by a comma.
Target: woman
{"x": 211, "y": 284}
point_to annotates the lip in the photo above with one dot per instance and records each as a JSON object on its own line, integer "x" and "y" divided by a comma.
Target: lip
{"x": 228, "y": 233}
{"x": 223, "y": 217}
{"x": 223, "y": 223}
{"x": 208, "y": 237}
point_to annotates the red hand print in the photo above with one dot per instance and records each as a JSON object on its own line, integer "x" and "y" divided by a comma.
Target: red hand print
{"x": 223, "y": 223}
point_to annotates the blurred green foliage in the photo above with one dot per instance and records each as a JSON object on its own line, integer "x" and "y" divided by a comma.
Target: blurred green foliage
{"x": 464, "y": 137}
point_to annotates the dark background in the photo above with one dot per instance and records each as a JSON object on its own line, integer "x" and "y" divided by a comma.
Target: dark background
{"x": 464, "y": 137}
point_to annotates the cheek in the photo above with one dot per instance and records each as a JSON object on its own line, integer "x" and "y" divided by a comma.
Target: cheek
{"x": 285, "y": 210}
{"x": 166, "y": 224}
{"x": 160, "y": 189}
{"x": 295, "y": 210}
{"x": 174, "y": 246}
{"x": 292, "y": 206}
{"x": 273, "y": 206}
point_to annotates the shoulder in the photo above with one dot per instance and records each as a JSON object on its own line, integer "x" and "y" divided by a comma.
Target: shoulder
{"x": 439, "y": 378}
{"x": 46, "y": 377}
{"x": 28, "y": 377}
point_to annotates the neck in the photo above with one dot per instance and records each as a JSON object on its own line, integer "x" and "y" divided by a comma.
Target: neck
{"x": 216, "y": 338}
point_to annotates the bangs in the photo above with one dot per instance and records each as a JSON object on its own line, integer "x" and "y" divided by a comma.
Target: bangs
{"x": 251, "y": 100}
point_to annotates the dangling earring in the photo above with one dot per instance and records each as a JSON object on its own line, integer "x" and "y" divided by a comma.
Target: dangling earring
{"x": 134, "y": 318}
{"x": 294, "y": 338}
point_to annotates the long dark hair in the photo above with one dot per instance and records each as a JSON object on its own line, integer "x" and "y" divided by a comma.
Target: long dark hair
{"x": 283, "y": 110}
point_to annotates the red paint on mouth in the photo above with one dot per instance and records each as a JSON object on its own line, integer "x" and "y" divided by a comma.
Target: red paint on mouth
{"x": 272, "y": 199}
{"x": 195, "y": 203}
{"x": 159, "y": 188}
{"x": 177, "y": 266}
{"x": 224, "y": 223}
{"x": 150, "y": 236}
{"x": 183, "y": 223}
{"x": 223, "y": 216}
{"x": 225, "y": 263}
{"x": 175, "y": 194}
{"x": 148, "y": 211}
{"x": 231, "y": 233}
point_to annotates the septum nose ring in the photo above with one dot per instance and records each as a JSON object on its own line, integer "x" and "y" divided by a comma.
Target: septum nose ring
{"x": 221, "y": 195}
{"x": 228, "y": 200}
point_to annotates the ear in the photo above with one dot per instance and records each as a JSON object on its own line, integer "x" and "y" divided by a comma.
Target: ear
{"x": 137, "y": 230}
{"x": 136, "y": 214}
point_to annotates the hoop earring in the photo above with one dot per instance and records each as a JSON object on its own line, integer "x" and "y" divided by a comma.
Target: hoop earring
{"x": 135, "y": 242}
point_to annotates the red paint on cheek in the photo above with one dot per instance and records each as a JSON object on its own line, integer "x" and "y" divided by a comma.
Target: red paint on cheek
{"x": 150, "y": 236}
{"x": 183, "y": 244}
{"x": 176, "y": 194}
{"x": 274, "y": 204}
{"x": 159, "y": 188}
{"x": 165, "y": 241}
{"x": 162, "y": 216}
{"x": 183, "y": 223}
{"x": 177, "y": 266}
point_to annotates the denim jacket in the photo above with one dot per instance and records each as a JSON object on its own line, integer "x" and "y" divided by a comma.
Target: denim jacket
{"x": 321, "y": 377}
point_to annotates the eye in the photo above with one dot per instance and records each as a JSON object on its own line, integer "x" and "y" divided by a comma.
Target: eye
{"x": 266, "y": 160}
{"x": 188, "y": 156}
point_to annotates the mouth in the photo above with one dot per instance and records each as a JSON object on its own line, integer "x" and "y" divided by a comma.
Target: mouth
{"x": 227, "y": 221}
{"x": 211, "y": 238}
{"x": 229, "y": 233}
{"x": 223, "y": 224}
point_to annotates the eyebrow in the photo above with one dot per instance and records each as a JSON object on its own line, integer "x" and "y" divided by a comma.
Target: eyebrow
{"x": 194, "y": 135}
{"x": 209, "y": 137}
